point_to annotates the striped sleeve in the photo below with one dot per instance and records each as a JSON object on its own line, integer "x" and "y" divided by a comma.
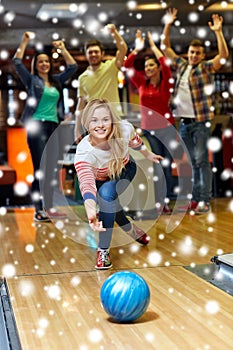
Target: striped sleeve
{"x": 130, "y": 136}
{"x": 136, "y": 142}
{"x": 86, "y": 177}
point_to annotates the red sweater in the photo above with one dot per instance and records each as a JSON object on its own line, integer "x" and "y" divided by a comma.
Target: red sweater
{"x": 157, "y": 114}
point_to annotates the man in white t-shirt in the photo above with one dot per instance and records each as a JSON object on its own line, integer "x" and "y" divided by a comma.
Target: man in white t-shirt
{"x": 194, "y": 105}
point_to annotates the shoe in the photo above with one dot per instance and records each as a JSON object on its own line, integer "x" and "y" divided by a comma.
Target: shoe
{"x": 188, "y": 207}
{"x": 139, "y": 235}
{"x": 103, "y": 261}
{"x": 202, "y": 208}
{"x": 166, "y": 210}
{"x": 55, "y": 215}
{"x": 41, "y": 216}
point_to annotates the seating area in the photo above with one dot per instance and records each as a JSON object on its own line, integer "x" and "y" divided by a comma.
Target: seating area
{"x": 7, "y": 181}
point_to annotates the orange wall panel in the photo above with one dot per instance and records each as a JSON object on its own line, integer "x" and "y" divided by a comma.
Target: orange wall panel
{"x": 18, "y": 153}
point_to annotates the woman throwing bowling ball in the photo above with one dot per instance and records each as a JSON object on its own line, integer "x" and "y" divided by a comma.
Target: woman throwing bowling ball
{"x": 102, "y": 161}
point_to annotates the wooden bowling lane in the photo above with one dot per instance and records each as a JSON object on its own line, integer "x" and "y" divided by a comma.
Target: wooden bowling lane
{"x": 55, "y": 288}
{"x": 57, "y": 311}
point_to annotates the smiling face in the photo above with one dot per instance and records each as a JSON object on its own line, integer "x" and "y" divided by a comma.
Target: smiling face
{"x": 94, "y": 55}
{"x": 196, "y": 54}
{"x": 100, "y": 125}
{"x": 43, "y": 64}
{"x": 152, "y": 68}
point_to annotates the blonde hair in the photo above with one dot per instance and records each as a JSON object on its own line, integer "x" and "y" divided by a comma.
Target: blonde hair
{"x": 115, "y": 139}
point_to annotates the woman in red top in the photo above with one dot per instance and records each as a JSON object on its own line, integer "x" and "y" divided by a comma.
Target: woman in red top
{"x": 155, "y": 86}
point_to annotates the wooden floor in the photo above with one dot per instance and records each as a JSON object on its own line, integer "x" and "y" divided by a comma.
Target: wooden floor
{"x": 54, "y": 287}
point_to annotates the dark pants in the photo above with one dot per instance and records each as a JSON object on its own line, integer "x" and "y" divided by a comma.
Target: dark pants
{"x": 43, "y": 145}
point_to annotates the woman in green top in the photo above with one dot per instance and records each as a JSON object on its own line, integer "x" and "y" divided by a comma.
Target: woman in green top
{"x": 41, "y": 116}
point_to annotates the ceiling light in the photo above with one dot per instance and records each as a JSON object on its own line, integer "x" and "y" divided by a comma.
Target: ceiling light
{"x": 151, "y": 7}
{"x": 220, "y": 6}
{"x": 57, "y": 10}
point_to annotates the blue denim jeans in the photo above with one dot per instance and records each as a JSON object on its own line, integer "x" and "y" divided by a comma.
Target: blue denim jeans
{"x": 195, "y": 135}
{"x": 110, "y": 209}
{"x": 160, "y": 142}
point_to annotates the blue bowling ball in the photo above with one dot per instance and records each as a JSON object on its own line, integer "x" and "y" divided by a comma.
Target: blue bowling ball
{"x": 125, "y": 296}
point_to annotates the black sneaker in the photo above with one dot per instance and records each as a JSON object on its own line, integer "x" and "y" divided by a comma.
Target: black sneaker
{"x": 41, "y": 216}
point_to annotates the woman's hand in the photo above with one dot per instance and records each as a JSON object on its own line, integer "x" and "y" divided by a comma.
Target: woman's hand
{"x": 96, "y": 225}
{"x": 150, "y": 39}
{"x": 29, "y": 36}
{"x": 59, "y": 45}
{"x": 139, "y": 41}
{"x": 153, "y": 157}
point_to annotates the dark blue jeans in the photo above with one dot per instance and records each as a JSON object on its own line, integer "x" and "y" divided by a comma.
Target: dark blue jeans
{"x": 195, "y": 135}
{"x": 160, "y": 143}
{"x": 43, "y": 145}
{"x": 110, "y": 209}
